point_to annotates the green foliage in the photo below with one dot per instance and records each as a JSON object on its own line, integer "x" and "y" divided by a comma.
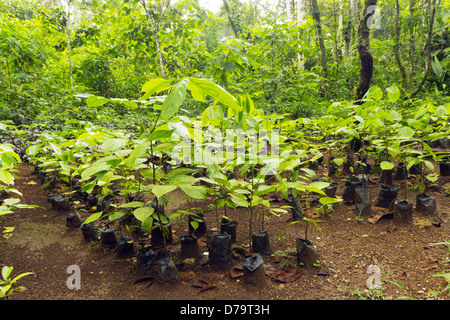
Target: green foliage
{"x": 6, "y": 283}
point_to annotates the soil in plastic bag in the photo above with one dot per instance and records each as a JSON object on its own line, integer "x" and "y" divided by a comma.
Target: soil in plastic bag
{"x": 73, "y": 220}
{"x": 90, "y": 231}
{"x": 403, "y": 212}
{"x": 125, "y": 247}
{"x": 229, "y": 227}
{"x": 444, "y": 168}
{"x": 200, "y": 219}
{"x": 386, "y": 196}
{"x": 189, "y": 246}
{"x": 219, "y": 248}
{"x": 363, "y": 201}
{"x": 426, "y": 204}
{"x": 306, "y": 253}
{"x": 351, "y": 183}
{"x": 108, "y": 238}
{"x": 297, "y": 209}
{"x": 261, "y": 242}
{"x": 401, "y": 172}
{"x": 58, "y": 201}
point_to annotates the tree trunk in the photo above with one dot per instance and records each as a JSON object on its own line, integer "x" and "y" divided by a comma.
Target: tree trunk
{"x": 318, "y": 27}
{"x": 158, "y": 50}
{"x": 68, "y": 44}
{"x": 230, "y": 18}
{"x": 289, "y": 14}
{"x": 300, "y": 11}
{"x": 412, "y": 46}
{"x": 427, "y": 50}
{"x": 397, "y": 46}
{"x": 365, "y": 56}
{"x": 154, "y": 24}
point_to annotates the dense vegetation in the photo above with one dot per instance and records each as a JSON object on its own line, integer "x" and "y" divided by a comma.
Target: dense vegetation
{"x": 109, "y": 97}
{"x": 51, "y": 52}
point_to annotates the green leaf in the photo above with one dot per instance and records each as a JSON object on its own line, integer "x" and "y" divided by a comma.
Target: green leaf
{"x": 93, "y": 217}
{"x": 406, "y": 132}
{"x": 6, "y": 271}
{"x": 154, "y": 86}
{"x": 138, "y": 151}
{"x": 436, "y": 66}
{"x": 200, "y": 88}
{"x": 160, "y": 134}
{"x": 328, "y": 200}
{"x": 195, "y": 192}
{"x": 11, "y": 201}
{"x": 90, "y": 171}
{"x": 393, "y": 93}
{"x": 133, "y": 204}
{"x": 96, "y": 101}
{"x": 183, "y": 179}
{"x": 143, "y": 213}
{"x": 160, "y": 190}
{"x": 20, "y": 276}
{"x": 386, "y": 165}
{"x": 113, "y": 145}
{"x": 174, "y": 100}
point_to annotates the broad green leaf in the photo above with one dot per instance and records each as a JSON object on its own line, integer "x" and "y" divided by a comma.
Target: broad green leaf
{"x": 6, "y": 177}
{"x": 160, "y": 190}
{"x": 328, "y": 200}
{"x": 436, "y": 66}
{"x": 90, "y": 171}
{"x": 395, "y": 115}
{"x": 195, "y": 192}
{"x": 133, "y": 204}
{"x": 6, "y": 271}
{"x": 93, "y": 217}
{"x": 200, "y": 88}
{"x": 319, "y": 184}
{"x": 138, "y": 151}
{"x": 143, "y": 213}
{"x": 393, "y": 93}
{"x": 183, "y": 179}
{"x": 386, "y": 165}
{"x": 374, "y": 92}
{"x": 160, "y": 134}
{"x": 154, "y": 86}
{"x": 96, "y": 101}
{"x": 113, "y": 145}
{"x": 11, "y": 201}
{"x": 174, "y": 100}
{"x": 406, "y": 132}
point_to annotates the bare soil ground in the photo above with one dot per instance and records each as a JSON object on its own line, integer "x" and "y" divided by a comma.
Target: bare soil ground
{"x": 41, "y": 243}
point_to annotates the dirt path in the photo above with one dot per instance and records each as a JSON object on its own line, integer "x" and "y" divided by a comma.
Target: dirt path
{"x": 41, "y": 243}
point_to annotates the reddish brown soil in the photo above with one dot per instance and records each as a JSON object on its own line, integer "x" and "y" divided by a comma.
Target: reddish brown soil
{"x": 41, "y": 243}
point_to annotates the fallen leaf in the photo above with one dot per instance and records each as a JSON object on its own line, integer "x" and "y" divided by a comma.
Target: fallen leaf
{"x": 421, "y": 223}
{"x": 8, "y": 229}
{"x": 7, "y": 235}
{"x": 32, "y": 182}
{"x": 236, "y": 273}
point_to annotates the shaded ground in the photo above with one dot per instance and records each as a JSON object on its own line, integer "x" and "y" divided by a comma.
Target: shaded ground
{"x": 41, "y": 243}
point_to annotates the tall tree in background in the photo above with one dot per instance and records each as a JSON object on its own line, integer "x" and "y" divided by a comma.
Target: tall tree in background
{"x": 365, "y": 55}
{"x": 68, "y": 26}
{"x": 427, "y": 47}
{"x": 155, "y": 18}
{"x": 397, "y": 46}
{"x": 230, "y": 18}
{"x": 318, "y": 28}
